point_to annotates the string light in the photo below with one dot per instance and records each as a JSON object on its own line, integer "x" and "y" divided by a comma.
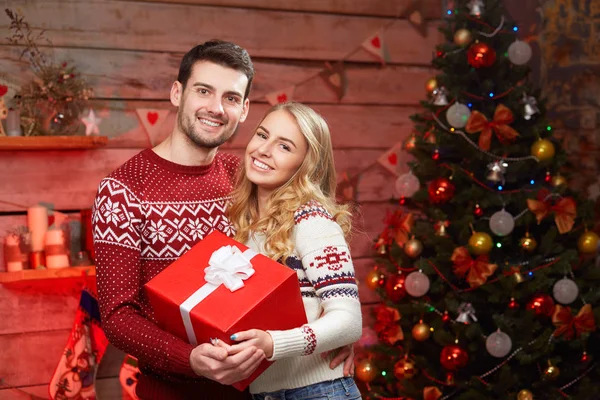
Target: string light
{"x": 515, "y": 28}
{"x": 491, "y": 94}
{"x": 532, "y": 181}
{"x": 469, "y": 105}
{"x": 500, "y": 188}
{"x": 498, "y": 245}
{"x": 449, "y": 12}
{"x": 548, "y": 128}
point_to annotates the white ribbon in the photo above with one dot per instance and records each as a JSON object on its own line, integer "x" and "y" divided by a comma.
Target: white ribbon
{"x": 227, "y": 266}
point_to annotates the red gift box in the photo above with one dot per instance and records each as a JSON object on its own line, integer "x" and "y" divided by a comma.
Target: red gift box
{"x": 269, "y": 298}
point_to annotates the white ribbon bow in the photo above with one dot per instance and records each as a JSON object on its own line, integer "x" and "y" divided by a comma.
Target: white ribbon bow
{"x": 230, "y": 267}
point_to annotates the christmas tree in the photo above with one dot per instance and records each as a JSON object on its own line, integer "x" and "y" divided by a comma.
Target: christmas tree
{"x": 487, "y": 269}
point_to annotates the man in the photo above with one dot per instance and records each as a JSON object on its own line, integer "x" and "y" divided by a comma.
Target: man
{"x": 155, "y": 207}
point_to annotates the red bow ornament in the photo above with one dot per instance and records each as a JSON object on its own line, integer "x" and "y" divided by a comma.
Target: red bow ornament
{"x": 399, "y": 224}
{"x": 565, "y": 210}
{"x": 431, "y": 393}
{"x": 387, "y": 325}
{"x": 502, "y": 117}
{"x": 570, "y": 326}
{"x": 478, "y": 270}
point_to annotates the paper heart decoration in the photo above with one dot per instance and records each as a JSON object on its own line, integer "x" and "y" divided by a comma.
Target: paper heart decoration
{"x": 376, "y": 42}
{"x": 152, "y": 117}
{"x": 393, "y": 159}
{"x": 282, "y": 98}
{"x": 3, "y": 90}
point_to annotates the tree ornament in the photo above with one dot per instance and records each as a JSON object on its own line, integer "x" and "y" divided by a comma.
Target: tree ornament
{"x": 375, "y": 278}
{"x": 558, "y": 180}
{"x": 410, "y": 143}
{"x": 366, "y": 371}
{"x": 588, "y": 242}
{"x": 453, "y": 357}
{"x": 513, "y": 304}
{"x": 405, "y": 369}
{"x": 440, "y": 190}
{"x": 502, "y": 223}
{"x": 516, "y": 274}
{"x": 421, "y": 331}
{"x": 584, "y": 357}
{"x": 395, "y": 287}
{"x": 478, "y": 210}
{"x": 519, "y": 52}
{"x": 499, "y": 126}
{"x": 498, "y": 344}
{"x": 446, "y": 317}
{"x": 548, "y": 177}
{"x": 542, "y": 149}
{"x": 417, "y": 284}
{"x": 431, "y": 85}
{"x": 440, "y": 96}
{"x": 497, "y": 171}
{"x": 565, "y": 291}
{"x": 457, "y": 115}
{"x": 480, "y": 55}
{"x": 480, "y": 243}
{"x": 475, "y": 7}
{"x": 551, "y": 373}
{"x": 525, "y": 395}
{"x": 466, "y": 313}
{"x": 530, "y": 107}
{"x": 407, "y": 184}
{"x": 528, "y": 243}
{"x": 436, "y": 155}
{"x": 413, "y": 248}
{"x": 541, "y": 305}
{"x": 462, "y": 37}
{"x": 440, "y": 228}
{"x": 381, "y": 247}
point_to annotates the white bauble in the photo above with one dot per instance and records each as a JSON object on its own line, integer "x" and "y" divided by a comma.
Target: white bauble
{"x": 407, "y": 184}
{"x": 416, "y": 284}
{"x": 519, "y": 52}
{"x": 565, "y": 291}
{"x": 458, "y": 115}
{"x": 502, "y": 223}
{"x": 498, "y": 344}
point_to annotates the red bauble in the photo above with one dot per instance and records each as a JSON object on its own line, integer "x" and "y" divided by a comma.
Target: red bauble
{"x": 541, "y": 305}
{"x": 440, "y": 190}
{"x": 513, "y": 304}
{"x": 478, "y": 211}
{"x": 446, "y": 317}
{"x": 453, "y": 357}
{"x": 481, "y": 55}
{"x": 395, "y": 288}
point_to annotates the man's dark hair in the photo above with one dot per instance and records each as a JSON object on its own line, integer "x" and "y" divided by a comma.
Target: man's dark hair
{"x": 225, "y": 54}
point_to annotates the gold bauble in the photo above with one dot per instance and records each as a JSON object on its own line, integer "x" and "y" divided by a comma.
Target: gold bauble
{"x": 558, "y": 180}
{"x": 525, "y": 395}
{"x": 551, "y": 373}
{"x": 365, "y": 371}
{"x": 543, "y": 149}
{"x": 463, "y": 37}
{"x": 410, "y": 143}
{"x": 405, "y": 369}
{"x": 421, "y": 331}
{"x": 431, "y": 85}
{"x": 374, "y": 279}
{"x": 528, "y": 243}
{"x": 588, "y": 242}
{"x": 480, "y": 243}
{"x": 413, "y": 248}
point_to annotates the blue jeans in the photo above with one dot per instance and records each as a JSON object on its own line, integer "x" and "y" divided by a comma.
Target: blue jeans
{"x": 338, "y": 389}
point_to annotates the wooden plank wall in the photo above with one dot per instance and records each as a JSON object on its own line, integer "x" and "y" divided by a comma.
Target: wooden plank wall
{"x": 130, "y": 51}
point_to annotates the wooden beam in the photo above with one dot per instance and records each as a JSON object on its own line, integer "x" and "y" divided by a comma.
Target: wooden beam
{"x": 176, "y": 28}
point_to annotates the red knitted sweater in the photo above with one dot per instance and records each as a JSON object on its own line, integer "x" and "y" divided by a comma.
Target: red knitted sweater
{"x": 146, "y": 214}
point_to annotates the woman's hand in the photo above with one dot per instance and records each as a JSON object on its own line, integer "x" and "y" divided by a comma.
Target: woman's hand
{"x": 253, "y": 337}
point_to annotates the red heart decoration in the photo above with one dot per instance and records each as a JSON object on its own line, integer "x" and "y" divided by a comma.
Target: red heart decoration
{"x": 3, "y": 90}
{"x": 393, "y": 159}
{"x": 152, "y": 117}
{"x": 282, "y": 98}
{"x": 375, "y": 42}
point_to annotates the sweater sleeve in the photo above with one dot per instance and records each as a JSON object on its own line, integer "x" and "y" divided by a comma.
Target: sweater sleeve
{"x": 328, "y": 266}
{"x": 117, "y": 220}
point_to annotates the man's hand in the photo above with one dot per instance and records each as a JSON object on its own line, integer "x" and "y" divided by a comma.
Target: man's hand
{"x": 253, "y": 337}
{"x": 213, "y": 362}
{"x": 344, "y": 354}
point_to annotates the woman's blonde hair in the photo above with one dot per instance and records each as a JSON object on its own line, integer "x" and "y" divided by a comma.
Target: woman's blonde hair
{"x": 314, "y": 180}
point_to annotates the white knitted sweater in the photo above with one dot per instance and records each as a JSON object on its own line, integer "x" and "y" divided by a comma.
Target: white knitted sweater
{"x": 330, "y": 295}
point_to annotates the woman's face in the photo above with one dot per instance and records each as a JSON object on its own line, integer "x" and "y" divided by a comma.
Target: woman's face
{"x": 275, "y": 151}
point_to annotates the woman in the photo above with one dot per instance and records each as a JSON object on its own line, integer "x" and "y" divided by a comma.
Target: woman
{"x": 284, "y": 206}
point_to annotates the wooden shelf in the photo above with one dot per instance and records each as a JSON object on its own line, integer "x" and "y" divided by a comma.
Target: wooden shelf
{"x": 39, "y": 274}
{"x": 51, "y": 142}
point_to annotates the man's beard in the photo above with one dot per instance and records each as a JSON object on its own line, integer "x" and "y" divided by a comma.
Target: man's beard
{"x": 187, "y": 127}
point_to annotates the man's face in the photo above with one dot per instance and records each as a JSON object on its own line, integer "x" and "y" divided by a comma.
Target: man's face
{"x": 212, "y": 104}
